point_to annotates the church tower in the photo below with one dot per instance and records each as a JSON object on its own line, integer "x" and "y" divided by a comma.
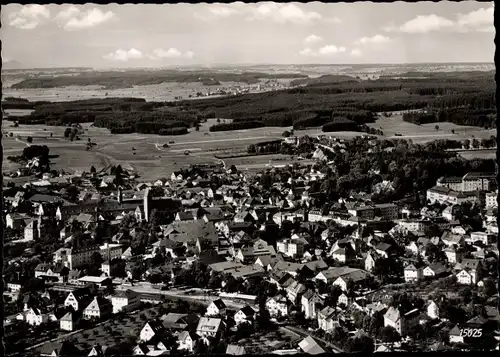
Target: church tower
{"x": 147, "y": 203}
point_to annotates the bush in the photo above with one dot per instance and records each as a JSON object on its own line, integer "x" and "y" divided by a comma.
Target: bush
{"x": 340, "y": 124}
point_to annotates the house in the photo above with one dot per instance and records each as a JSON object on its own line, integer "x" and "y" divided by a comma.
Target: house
{"x": 68, "y": 322}
{"x": 309, "y": 301}
{"x": 432, "y": 310}
{"x": 312, "y": 346}
{"x": 209, "y": 327}
{"x": 291, "y": 247}
{"x": 294, "y": 291}
{"x": 468, "y": 272}
{"x": 174, "y": 321}
{"x": 454, "y": 254}
{"x": 216, "y": 308}
{"x": 435, "y": 270}
{"x": 244, "y": 315}
{"x": 127, "y": 300}
{"x": 98, "y": 350}
{"x": 78, "y": 299}
{"x": 31, "y": 231}
{"x": 277, "y": 306}
{"x": 98, "y": 309}
{"x": 482, "y": 237}
{"x": 36, "y": 316}
{"x": 343, "y": 299}
{"x": 151, "y": 329}
{"x": 235, "y": 350}
{"x": 400, "y": 321}
{"x": 59, "y": 349}
{"x": 450, "y": 239}
{"x": 369, "y": 262}
{"x": 14, "y": 221}
{"x": 456, "y": 335}
{"x": 326, "y": 320}
{"x": 412, "y": 273}
{"x": 187, "y": 341}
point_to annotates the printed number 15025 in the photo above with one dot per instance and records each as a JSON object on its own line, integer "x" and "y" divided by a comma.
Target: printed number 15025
{"x": 471, "y": 332}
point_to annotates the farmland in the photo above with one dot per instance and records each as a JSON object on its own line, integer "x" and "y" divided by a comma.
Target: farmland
{"x": 145, "y": 153}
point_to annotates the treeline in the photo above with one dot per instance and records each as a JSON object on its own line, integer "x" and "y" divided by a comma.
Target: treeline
{"x": 128, "y": 79}
{"x": 301, "y": 107}
{"x": 238, "y": 125}
{"x": 17, "y": 103}
{"x": 119, "y": 115}
{"x": 485, "y": 118}
{"x": 340, "y": 124}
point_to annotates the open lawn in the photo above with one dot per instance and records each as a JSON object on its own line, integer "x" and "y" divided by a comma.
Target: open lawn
{"x": 427, "y": 132}
{"x": 145, "y": 153}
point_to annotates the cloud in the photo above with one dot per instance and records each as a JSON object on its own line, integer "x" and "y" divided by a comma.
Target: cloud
{"x": 480, "y": 20}
{"x": 160, "y": 53}
{"x": 29, "y": 17}
{"x": 283, "y": 13}
{"x": 330, "y": 49}
{"x": 356, "y": 52}
{"x": 123, "y": 55}
{"x": 67, "y": 13}
{"x": 313, "y": 39}
{"x": 76, "y": 19}
{"x": 271, "y": 11}
{"x": 377, "y": 39}
{"x": 424, "y": 24}
{"x": 323, "y": 51}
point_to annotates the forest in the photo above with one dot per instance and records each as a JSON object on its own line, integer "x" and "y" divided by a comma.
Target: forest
{"x": 128, "y": 79}
{"x": 460, "y": 98}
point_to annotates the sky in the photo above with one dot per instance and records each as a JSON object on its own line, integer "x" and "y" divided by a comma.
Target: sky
{"x": 260, "y": 33}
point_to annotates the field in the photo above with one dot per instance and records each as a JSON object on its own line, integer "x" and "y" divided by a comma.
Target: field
{"x": 153, "y": 92}
{"x": 426, "y": 132}
{"x": 145, "y": 153}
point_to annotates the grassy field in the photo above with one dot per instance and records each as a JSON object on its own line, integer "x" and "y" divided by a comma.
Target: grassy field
{"x": 427, "y": 132}
{"x": 145, "y": 154}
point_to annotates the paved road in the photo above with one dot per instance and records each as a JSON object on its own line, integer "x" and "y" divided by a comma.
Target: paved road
{"x": 206, "y": 300}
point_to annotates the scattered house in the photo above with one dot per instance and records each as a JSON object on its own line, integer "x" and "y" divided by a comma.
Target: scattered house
{"x": 151, "y": 329}
{"x": 68, "y": 322}
{"x": 432, "y": 310}
{"x": 326, "y": 320}
{"x": 209, "y": 327}
{"x": 400, "y": 321}
{"x": 245, "y": 315}
{"x": 309, "y": 301}
{"x": 312, "y": 346}
{"x": 187, "y": 340}
{"x": 412, "y": 273}
{"x": 78, "y": 299}
{"x": 277, "y": 306}
{"x": 235, "y": 350}
{"x": 98, "y": 309}
{"x": 216, "y": 308}
{"x": 60, "y": 349}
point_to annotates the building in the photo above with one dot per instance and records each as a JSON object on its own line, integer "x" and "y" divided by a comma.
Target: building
{"x": 244, "y": 315}
{"x": 451, "y": 182}
{"x": 78, "y": 299}
{"x": 483, "y": 237}
{"x": 36, "y": 317}
{"x": 216, "y": 308}
{"x": 68, "y": 322}
{"x": 127, "y": 300}
{"x": 98, "y": 309}
{"x": 291, "y": 247}
{"x": 277, "y": 306}
{"x": 209, "y": 327}
{"x": 309, "y": 301}
{"x": 491, "y": 200}
{"x": 75, "y": 258}
{"x": 31, "y": 231}
{"x": 412, "y": 274}
{"x": 187, "y": 341}
{"x": 151, "y": 329}
{"x": 401, "y": 322}
{"x": 326, "y": 319}
{"x": 478, "y": 181}
{"x": 445, "y": 195}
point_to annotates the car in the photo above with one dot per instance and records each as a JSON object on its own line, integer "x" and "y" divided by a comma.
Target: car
{"x": 171, "y": 142}
{"x": 397, "y": 134}
{"x": 186, "y": 152}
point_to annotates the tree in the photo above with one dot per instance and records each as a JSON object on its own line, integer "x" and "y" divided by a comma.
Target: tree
{"x": 490, "y": 288}
{"x": 93, "y": 169}
{"x": 29, "y": 139}
{"x": 51, "y": 134}
{"x": 67, "y": 132}
{"x": 363, "y": 344}
{"x": 436, "y": 127}
{"x": 96, "y": 259}
{"x": 218, "y": 120}
{"x": 453, "y": 131}
{"x": 389, "y": 334}
{"x": 251, "y": 149}
{"x": 286, "y": 134}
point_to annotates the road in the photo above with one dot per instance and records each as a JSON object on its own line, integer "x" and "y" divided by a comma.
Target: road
{"x": 204, "y": 299}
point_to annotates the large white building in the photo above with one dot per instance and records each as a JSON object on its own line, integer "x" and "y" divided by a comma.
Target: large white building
{"x": 491, "y": 200}
{"x": 291, "y": 247}
{"x": 445, "y": 195}
{"x": 473, "y": 181}
{"x": 74, "y": 258}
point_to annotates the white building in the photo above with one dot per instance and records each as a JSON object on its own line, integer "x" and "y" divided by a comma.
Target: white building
{"x": 491, "y": 200}
{"x": 125, "y": 301}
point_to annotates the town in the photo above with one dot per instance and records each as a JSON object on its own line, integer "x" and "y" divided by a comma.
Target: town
{"x": 351, "y": 254}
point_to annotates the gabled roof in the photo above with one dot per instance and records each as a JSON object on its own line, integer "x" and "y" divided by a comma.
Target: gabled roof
{"x": 311, "y": 346}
